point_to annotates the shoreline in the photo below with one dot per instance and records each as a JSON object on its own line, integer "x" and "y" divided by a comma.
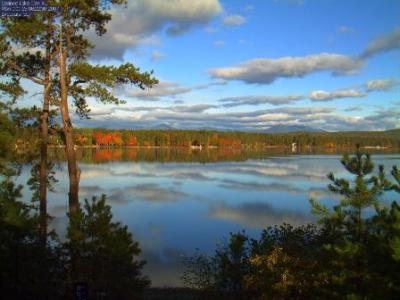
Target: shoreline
{"x": 233, "y": 148}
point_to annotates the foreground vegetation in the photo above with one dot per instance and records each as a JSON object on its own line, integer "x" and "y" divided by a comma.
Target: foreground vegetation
{"x": 353, "y": 253}
{"x": 96, "y": 252}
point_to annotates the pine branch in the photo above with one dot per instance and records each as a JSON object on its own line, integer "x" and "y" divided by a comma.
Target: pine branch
{"x": 24, "y": 74}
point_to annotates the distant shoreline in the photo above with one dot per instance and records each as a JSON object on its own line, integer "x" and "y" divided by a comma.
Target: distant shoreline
{"x": 219, "y": 147}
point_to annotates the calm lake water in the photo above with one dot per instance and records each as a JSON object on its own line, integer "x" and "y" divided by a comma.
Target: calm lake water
{"x": 175, "y": 203}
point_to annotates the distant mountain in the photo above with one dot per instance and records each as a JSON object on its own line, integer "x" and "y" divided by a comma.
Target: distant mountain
{"x": 163, "y": 126}
{"x": 291, "y": 128}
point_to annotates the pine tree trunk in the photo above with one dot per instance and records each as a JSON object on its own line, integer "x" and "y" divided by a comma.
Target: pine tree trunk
{"x": 44, "y": 132}
{"x": 43, "y": 167}
{"x": 73, "y": 170}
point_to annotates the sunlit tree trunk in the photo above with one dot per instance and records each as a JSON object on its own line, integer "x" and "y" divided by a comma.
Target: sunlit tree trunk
{"x": 73, "y": 170}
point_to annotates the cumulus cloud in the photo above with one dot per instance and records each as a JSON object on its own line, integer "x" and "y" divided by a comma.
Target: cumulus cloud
{"x": 133, "y": 24}
{"x": 165, "y": 89}
{"x": 158, "y": 91}
{"x": 388, "y": 116}
{"x": 197, "y": 108}
{"x": 381, "y": 84}
{"x": 210, "y": 84}
{"x": 266, "y": 70}
{"x": 258, "y": 100}
{"x": 383, "y": 43}
{"x": 328, "y": 96}
{"x": 233, "y": 20}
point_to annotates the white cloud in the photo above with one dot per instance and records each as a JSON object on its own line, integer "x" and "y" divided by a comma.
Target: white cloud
{"x": 152, "y": 40}
{"x": 381, "y": 84}
{"x": 267, "y": 70}
{"x": 133, "y": 24}
{"x": 234, "y": 20}
{"x": 258, "y": 100}
{"x": 18, "y": 50}
{"x": 210, "y": 84}
{"x": 328, "y": 96}
{"x": 384, "y": 119}
{"x": 383, "y": 43}
{"x": 163, "y": 89}
{"x": 197, "y": 108}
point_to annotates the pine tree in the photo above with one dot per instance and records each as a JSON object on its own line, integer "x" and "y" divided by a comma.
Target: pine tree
{"x": 61, "y": 69}
{"x": 356, "y": 227}
{"x": 103, "y": 253}
{"x": 26, "y": 266}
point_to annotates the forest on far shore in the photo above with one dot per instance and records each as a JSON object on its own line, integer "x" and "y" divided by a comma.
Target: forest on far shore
{"x": 222, "y": 139}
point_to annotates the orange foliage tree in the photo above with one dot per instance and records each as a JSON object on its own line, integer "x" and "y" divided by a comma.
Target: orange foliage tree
{"x": 131, "y": 141}
{"x": 108, "y": 138}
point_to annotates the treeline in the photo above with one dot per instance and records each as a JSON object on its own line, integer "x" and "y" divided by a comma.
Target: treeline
{"x": 232, "y": 139}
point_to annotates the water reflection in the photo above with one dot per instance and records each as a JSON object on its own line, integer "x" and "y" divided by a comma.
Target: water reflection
{"x": 258, "y": 214}
{"x": 176, "y": 205}
{"x": 147, "y": 192}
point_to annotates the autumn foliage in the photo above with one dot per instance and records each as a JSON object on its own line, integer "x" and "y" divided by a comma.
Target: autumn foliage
{"x": 231, "y": 139}
{"x": 107, "y": 138}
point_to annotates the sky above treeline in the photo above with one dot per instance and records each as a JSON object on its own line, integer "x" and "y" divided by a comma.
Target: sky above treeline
{"x": 248, "y": 65}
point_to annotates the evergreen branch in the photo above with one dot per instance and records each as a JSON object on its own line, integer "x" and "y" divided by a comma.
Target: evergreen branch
{"x": 25, "y": 74}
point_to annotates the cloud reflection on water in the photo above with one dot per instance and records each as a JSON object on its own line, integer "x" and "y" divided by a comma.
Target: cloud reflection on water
{"x": 148, "y": 192}
{"x": 257, "y": 214}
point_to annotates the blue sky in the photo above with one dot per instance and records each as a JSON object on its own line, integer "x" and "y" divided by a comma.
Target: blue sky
{"x": 250, "y": 65}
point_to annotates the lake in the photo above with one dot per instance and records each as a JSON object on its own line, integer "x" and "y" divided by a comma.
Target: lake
{"x": 175, "y": 202}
